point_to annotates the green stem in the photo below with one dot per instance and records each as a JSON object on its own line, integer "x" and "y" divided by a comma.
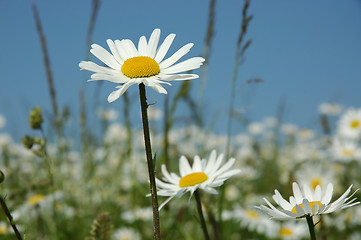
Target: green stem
{"x": 148, "y": 151}
{"x": 311, "y": 227}
{"x": 200, "y": 212}
{"x": 11, "y": 220}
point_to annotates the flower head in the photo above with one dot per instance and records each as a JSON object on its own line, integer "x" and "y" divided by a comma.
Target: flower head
{"x": 307, "y": 203}
{"x": 349, "y": 125}
{"x": 204, "y": 174}
{"x": 127, "y": 65}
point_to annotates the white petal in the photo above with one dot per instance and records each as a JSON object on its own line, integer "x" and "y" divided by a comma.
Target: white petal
{"x": 155, "y": 86}
{"x": 197, "y": 165}
{"x": 184, "y": 167}
{"x": 114, "y": 51}
{"x": 318, "y": 193}
{"x": 328, "y": 195}
{"x": 132, "y": 50}
{"x": 210, "y": 190}
{"x": 104, "y": 56}
{"x": 187, "y": 65}
{"x": 93, "y": 67}
{"x": 164, "y": 203}
{"x": 308, "y": 193}
{"x": 176, "y": 56}
{"x": 178, "y": 77}
{"x": 229, "y": 174}
{"x": 122, "y": 49}
{"x": 163, "y": 49}
{"x": 315, "y": 209}
{"x": 153, "y": 43}
{"x": 216, "y": 165}
{"x": 116, "y": 94}
{"x": 142, "y": 46}
{"x": 226, "y": 166}
{"x": 297, "y": 193}
{"x": 281, "y": 201}
{"x": 211, "y": 161}
{"x": 108, "y": 77}
{"x": 168, "y": 176}
{"x": 299, "y": 210}
{"x": 306, "y": 206}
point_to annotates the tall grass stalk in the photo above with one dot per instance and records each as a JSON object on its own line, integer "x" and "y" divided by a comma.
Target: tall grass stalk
{"x": 48, "y": 69}
{"x": 239, "y": 57}
{"x": 207, "y": 50}
{"x": 150, "y": 161}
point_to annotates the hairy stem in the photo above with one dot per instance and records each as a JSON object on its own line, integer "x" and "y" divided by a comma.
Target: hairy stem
{"x": 148, "y": 151}
{"x": 200, "y": 212}
{"x": 11, "y": 220}
{"x": 311, "y": 227}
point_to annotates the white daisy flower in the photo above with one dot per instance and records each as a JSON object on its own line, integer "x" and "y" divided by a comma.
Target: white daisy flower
{"x": 293, "y": 230}
{"x": 205, "y": 175}
{"x": 312, "y": 175}
{"x": 307, "y": 203}
{"x": 349, "y": 125}
{"x": 331, "y": 109}
{"x": 126, "y": 234}
{"x": 345, "y": 150}
{"x": 252, "y": 220}
{"x": 127, "y": 65}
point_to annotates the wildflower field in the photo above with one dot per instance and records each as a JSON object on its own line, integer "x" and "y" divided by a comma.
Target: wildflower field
{"x": 160, "y": 170}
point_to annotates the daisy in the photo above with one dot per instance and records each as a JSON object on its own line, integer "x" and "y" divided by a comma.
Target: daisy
{"x": 313, "y": 174}
{"x": 127, "y": 65}
{"x": 292, "y": 230}
{"x": 349, "y": 125}
{"x": 345, "y": 150}
{"x": 204, "y": 174}
{"x": 331, "y": 109}
{"x": 307, "y": 203}
{"x": 126, "y": 234}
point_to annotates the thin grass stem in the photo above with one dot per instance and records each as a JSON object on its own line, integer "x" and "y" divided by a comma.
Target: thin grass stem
{"x": 49, "y": 74}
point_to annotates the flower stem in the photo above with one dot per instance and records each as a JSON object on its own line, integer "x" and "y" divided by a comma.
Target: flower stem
{"x": 11, "y": 220}
{"x": 200, "y": 212}
{"x": 148, "y": 151}
{"x": 311, "y": 227}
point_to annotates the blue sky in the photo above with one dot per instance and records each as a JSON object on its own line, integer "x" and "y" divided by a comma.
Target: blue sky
{"x": 308, "y": 52}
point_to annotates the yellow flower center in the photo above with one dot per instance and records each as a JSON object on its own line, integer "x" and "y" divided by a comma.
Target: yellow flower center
{"x": 315, "y": 182}
{"x": 286, "y": 232}
{"x": 355, "y": 124}
{"x": 348, "y": 152}
{"x": 36, "y": 199}
{"x": 138, "y": 67}
{"x": 3, "y": 229}
{"x": 252, "y": 214}
{"x": 192, "y": 179}
{"x": 311, "y": 203}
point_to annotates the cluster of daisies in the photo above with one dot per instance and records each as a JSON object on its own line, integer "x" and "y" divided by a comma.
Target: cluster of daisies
{"x": 127, "y": 65}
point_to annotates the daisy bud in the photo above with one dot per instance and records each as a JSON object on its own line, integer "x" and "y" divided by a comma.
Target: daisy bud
{"x": 36, "y": 118}
{"x": 27, "y": 141}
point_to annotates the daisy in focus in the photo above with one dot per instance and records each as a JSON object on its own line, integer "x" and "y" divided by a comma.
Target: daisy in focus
{"x": 204, "y": 174}
{"x": 307, "y": 203}
{"x": 128, "y": 65}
